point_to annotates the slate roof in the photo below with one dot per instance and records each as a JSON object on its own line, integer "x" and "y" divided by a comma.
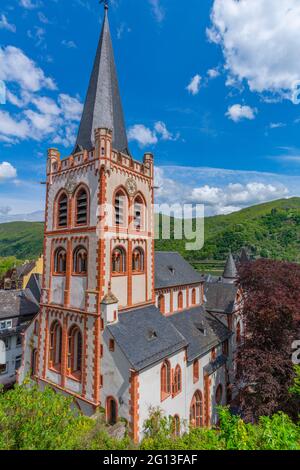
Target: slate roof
{"x": 220, "y": 297}
{"x": 145, "y": 336}
{"x": 171, "y": 269}
{"x": 230, "y": 271}
{"x": 201, "y": 330}
{"x": 103, "y": 107}
{"x": 16, "y": 303}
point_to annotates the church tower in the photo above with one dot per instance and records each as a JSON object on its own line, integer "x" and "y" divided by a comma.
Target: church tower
{"x": 98, "y": 242}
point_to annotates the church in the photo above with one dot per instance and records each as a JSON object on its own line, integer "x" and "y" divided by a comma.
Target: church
{"x": 122, "y": 328}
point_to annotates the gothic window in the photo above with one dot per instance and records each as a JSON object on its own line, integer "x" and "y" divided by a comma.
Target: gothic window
{"x": 55, "y": 345}
{"x": 176, "y": 426}
{"x": 165, "y": 380}
{"x": 111, "y": 411}
{"x": 138, "y": 213}
{"x": 119, "y": 261}
{"x": 60, "y": 261}
{"x": 219, "y": 394}
{"x": 194, "y": 297}
{"x": 196, "y": 411}
{"x": 196, "y": 370}
{"x": 82, "y": 207}
{"x": 34, "y": 357}
{"x": 161, "y": 303}
{"x": 80, "y": 260}
{"x": 177, "y": 380}
{"x": 180, "y": 301}
{"x": 138, "y": 260}
{"x": 120, "y": 208}
{"x": 75, "y": 351}
{"x": 62, "y": 211}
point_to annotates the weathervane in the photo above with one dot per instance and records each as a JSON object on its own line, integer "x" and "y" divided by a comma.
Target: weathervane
{"x": 105, "y": 2}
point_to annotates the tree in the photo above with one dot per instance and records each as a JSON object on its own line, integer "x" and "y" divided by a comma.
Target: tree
{"x": 270, "y": 311}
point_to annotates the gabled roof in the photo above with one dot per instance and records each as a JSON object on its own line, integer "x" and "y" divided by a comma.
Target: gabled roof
{"x": 145, "y": 336}
{"x": 17, "y": 303}
{"x": 171, "y": 269}
{"x": 230, "y": 271}
{"x": 220, "y": 297}
{"x": 103, "y": 107}
{"x": 201, "y": 330}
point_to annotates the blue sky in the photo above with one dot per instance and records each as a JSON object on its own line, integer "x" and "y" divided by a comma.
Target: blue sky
{"x": 209, "y": 86}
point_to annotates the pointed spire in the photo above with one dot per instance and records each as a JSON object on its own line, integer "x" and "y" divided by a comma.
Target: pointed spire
{"x": 230, "y": 271}
{"x": 103, "y": 107}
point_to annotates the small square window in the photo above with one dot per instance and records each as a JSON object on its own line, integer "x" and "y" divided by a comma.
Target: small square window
{"x": 18, "y": 362}
{"x": 19, "y": 340}
{"x": 3, "y": 369}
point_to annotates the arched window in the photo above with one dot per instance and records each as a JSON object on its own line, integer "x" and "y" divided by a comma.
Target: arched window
{"x": 194, "y": 297}
{"x": 138, "y": 260}
{"x": 34, "y": 357}
{"x": 180, "y": 301}
{"x": 139, "y": 213}
{"x": 81, "y": 207}
{"x": 177, "y": 381}
{"x": 80, "y": 260}
{"x": 120, "y": 208}
{"x": 238, "y": 334}
{"x": 161, "y": 303}
{"x": 196, "y": 374}
{"x": 219, "y": 394}
{"x": 62, "y": 211}
{"x": 165, "y": 380}
{"x": 60, "y": 261}
{"x": 111, "y": 411}
{"x": 75, "y": 351}
{"x": 176, "y": 426}
{"x": 55, "y": 345}
{"x": 119, "y": 261}
{"x": 196, "y": 411}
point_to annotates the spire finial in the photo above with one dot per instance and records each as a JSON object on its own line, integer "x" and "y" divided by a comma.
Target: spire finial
{"x": 106, "y": 4}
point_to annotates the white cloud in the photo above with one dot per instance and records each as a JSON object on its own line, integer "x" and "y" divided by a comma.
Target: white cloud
{"x": 277, "y": 125}
{"x": 158, "y": 10}
{"x": 213, "y": 73}
{"x": 237, "y": 112}
{"x": 145, "y": 136}
{"x": 13, "y": 128}
{"x": 142, "y": 135}
{"x": 260, "y": 40}
{"x": 71, "y": 107}
{"x": 7, "y": 171}
{"x": 194, "y": 85}
{"x": 4, "y": 210}
{"x": 28, "y": 4}
{"x": 69, "y": 44}
{"x": 15, "y": 66}
{"x": 4, "y": 24}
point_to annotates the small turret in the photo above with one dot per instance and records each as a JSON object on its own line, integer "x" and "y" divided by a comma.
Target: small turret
{"x": 230, "y": 271}
{"x": 109, "y": 308}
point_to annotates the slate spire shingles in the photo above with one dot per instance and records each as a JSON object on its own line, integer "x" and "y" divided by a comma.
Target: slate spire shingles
{"x": 103, "y": 107}
{"x": 230, "y": 271}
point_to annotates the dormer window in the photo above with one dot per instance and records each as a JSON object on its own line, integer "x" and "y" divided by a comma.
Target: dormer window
{"x": 172, "y": 270}
{"x": 152, "y": 335}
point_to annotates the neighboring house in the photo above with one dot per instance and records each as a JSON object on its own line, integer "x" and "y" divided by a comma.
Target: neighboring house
{"x": 18, "y": 277}
{"x": 17, "y": 308}
{"x": 120, "y": 326}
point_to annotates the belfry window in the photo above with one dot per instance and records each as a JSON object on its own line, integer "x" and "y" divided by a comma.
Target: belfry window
{"x": 120, "y": 208}
{"x": 60, "y": 261}
{"x": 62, "y": 211}
{"x": 80, "y": 260}
{"x": 75, "y": 351}
{"x": 138, "y": 213}
{"x": 55, "y": 344}
{"x": 119, "y": 261}
{"x": 82, "y": 207}
{"x": 138, "y": 260}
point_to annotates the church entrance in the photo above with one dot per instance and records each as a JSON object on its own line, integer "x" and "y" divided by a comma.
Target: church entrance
{"x": 111, "y": 411}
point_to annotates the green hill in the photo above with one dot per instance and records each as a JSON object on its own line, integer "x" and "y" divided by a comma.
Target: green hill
{"x": 269, "y": 230}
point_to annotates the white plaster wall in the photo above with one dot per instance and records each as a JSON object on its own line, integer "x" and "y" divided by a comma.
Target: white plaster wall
{"x": 116, "y": 373}
{"x": 119, "y": 288}
{"x": 138, "y": 288}
{"x": 12, "y": 353}
{"x": 57, "y": 289}
{"x": 77, "y": 295}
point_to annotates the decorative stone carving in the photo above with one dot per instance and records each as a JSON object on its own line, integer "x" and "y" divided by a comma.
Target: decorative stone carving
{"x": 131, "y": 186}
